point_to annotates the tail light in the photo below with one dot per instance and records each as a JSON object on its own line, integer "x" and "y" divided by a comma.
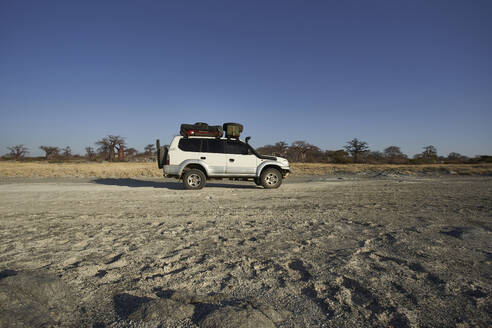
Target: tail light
{"x": 167, "y": 158}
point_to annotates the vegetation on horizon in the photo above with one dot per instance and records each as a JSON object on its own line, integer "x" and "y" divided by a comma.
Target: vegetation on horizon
{"x": 357, "y": 151}
{"x": 114, "y": 148}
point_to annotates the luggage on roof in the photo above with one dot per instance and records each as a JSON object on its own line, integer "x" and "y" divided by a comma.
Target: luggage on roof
{"x": 201, "y": 129}
{"x": 233, "y": 130}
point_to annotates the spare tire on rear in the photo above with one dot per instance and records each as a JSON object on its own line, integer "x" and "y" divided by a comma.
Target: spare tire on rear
{"x": 161, "y": 154}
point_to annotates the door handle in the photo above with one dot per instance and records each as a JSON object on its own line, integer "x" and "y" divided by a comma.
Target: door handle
{"x": 231, "y": 159}
{"x": 203, "y": 157}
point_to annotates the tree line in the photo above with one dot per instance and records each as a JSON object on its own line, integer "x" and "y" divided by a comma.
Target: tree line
{"x": 357, "y": 151}
{"x": 114, "y": 148}
{"x": 110, "y": 148}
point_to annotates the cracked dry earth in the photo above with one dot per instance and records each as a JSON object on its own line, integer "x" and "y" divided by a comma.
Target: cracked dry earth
{"x": 318, "y": 252}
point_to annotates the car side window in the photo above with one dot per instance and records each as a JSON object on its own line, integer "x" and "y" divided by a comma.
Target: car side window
{"x": 189, "y": 144}
{"x": 213, "y": 146}
{"x": 236, "y": 147}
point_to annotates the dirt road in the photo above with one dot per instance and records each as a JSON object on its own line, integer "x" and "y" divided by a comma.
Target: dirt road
{"x": 319, "y": 251}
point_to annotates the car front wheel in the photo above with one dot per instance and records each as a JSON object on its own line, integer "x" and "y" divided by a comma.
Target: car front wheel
{"x": 194, "y": 179}
{"x": 271, "y": 178}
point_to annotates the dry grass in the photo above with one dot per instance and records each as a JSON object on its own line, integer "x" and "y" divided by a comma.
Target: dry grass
{"x": 460, "y": 169}
{"x": 126, "y": 170}
{"x": 89, "y": 169}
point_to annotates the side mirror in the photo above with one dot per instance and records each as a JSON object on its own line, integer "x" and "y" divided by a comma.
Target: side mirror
{"x": 247, "y": 139}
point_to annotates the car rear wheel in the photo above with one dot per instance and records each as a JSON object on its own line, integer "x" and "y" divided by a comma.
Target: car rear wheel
{"x": 194, "y": 179}
{"x": 271, "y": 178}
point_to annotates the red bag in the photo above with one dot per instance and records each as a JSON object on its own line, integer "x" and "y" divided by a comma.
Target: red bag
{"x": 201, "y": 130}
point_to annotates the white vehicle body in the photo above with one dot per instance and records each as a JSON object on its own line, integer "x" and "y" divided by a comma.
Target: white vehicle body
{"x": 234, "y": 159}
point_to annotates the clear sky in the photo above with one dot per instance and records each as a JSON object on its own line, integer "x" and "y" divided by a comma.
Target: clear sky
{"x": 407, "y": 73}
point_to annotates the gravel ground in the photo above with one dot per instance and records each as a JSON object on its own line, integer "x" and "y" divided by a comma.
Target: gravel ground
{"x": 318, "y": 252}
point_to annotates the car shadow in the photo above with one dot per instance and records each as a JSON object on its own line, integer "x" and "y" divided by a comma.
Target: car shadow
{"x": 134, "y": 183}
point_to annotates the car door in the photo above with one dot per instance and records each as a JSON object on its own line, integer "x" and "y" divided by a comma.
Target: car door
{"x": 240, "y": 161}
{"x": 213, "y": 154}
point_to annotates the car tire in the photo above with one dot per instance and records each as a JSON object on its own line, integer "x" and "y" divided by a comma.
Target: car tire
{"x": 258, "y": 181}
{"x": 271, "y": 178}
{"x": 194, "y": 179}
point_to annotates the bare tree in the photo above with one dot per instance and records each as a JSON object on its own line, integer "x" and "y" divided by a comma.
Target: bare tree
{"x": 89, "y": 153}
{"x": 105, "y": 149}
{"x": 119, "y": 144}
{"x": 109, "y": 144}
{"x": 430, "y": 153}
{"x": 357, "y": 149}
{"x": 280, "y": 148}
{"x": 130, "y": 152}
{"x": 314, "y": 154}
{"x": 149, "y": 149}
{"x": 121, "y": 151}
{"x": 456, "y": 158}
{"x": 337, "y": 156}
{"x": 18, "y": 151}
{"x": 374, "y": 157}
{"x": 67, "y": 152}
{"x": 50, "y": 151}
{"x": 394, "y": 155}
{"x": 266, "y": 150}
{"x": 299, "y": 150}
{"x": 392, "y": 151}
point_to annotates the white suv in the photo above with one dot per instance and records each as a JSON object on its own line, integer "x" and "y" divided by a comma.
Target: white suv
{"x": 196, "y": 159}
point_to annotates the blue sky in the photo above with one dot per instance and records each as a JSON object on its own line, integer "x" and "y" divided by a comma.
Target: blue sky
{"x": 405, "y": 73}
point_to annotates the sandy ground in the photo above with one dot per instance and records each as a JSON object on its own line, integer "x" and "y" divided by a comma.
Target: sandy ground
{"x": 318, "y": 252}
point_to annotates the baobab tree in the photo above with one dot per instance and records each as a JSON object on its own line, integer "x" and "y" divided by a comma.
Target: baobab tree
{"x": 300, "y": 150}
{"x": 89, "y": 153}
{"x": 103, "y": 148}
{"x": 454, "y": 157}
{"x": 50, "y": 151}
{"x": 394, "y": 155}
{"x": 280, "y": 148}
{"x": 109, "y": 144}
{"x": 337, "y": 156}
{"x": 18, "y": 151}
{"x": 67, "y": 152}
{"x": 356, "y": 149}
{"x": 430, "y": 153}
{"x": 149, "y": 149}
{"x": 130, "y": 152}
